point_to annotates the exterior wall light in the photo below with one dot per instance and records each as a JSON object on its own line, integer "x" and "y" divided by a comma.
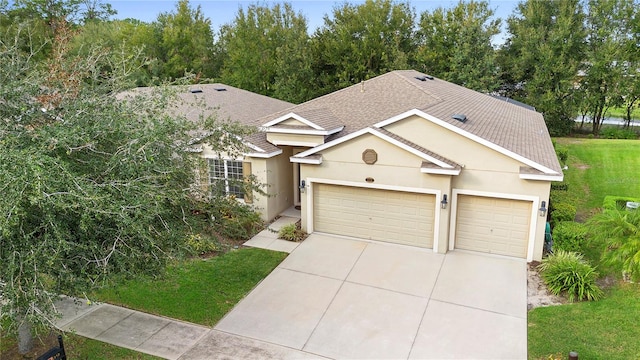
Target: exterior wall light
{"x": 302, "y": 186}
{"x": 543, "y": 209}
{"x": 443, "y": 203}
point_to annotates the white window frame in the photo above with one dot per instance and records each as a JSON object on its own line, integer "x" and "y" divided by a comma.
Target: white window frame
{"x": 211, "y": 162}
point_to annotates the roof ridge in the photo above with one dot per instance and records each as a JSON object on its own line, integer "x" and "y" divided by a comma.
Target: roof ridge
{"x": 429, "y": 93}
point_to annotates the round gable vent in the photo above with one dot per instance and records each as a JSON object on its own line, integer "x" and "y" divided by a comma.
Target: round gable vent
{"x": 369, "y": 156}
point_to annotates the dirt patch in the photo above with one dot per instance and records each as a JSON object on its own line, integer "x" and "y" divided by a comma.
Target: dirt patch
{"x": 537, "y": 293}
{"x": 582, "y": 166}
{"x": 41, "y": 345}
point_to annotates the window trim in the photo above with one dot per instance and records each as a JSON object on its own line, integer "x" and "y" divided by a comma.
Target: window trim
{"x": 226, "y": 166}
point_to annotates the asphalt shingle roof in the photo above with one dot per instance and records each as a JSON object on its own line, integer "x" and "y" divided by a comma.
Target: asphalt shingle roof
{"x": 508, "y": 125}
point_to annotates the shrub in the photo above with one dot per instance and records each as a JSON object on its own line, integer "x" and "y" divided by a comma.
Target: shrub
{"x": 569, "y": 236}
{"x": 566, "y": 273}
{"x": 617, "y": 133}
{"x": 202, "y": 245}
{"x": 562, "y": 153}
{"x": 617, "y": 202}
{"x": 291, "y": 232}
{"x": 619, "y": 230}
{"x": 563, "y": 212}
{"x": 562, "y": 186}
{"x": 232, "y": 218}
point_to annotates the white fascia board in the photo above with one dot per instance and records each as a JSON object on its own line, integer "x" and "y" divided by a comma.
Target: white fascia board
{"x": 294, "y": 159}
{"x": 253, "y": 147}
{"x": 264, "y": 155}
{"x": 331, "y": 143}
{"x": 468, "y": 135}
{"x": 301, "y": 131}
{"x": 542, "y": 177}
{"x": 454, "y": 172}
{"x": 381, "y": 136}
{"x": 292, "y": 115}
{"x": 417, "y": 152}
{"x": 293, "y": 143}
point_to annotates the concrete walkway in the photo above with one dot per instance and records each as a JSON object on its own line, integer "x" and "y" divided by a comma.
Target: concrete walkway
{"x": 337, "y": 298}
{"x": 170, "y": 338}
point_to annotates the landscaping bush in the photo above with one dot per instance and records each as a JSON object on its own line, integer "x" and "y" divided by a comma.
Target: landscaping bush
{"x": 200, "y": 245}
{"x": 561, "y": 186}
{"x": 562, "y": 153}
{"x": 617, "y": 133}
{"x": 291, "y": 232}
{"x": 617, "y": 202}
{"x": 563, "y": 212}
{"x": 567, "y": 273}
{"x": 231, "y": 218}
{"x": 569, "y": 236}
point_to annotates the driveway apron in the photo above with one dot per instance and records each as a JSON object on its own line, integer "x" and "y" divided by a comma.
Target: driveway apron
{"x": 340, "y": 298}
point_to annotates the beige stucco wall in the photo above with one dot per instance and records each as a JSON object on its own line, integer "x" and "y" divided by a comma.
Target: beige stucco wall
{"x": 277, "y": 172}
{"x": 295, "y": 139}
{"x": 485, "y": 171}
{"x": 395, "y": 169}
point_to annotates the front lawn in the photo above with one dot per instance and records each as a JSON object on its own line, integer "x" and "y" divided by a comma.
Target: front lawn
{"x": 598, "y": 168}
{"x": 76, "y": 347}
{"x": 198, "y": 291}
{"x": 605, "y": 329}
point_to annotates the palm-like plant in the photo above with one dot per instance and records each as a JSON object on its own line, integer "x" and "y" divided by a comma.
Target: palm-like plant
{"x": 620, "y": 232}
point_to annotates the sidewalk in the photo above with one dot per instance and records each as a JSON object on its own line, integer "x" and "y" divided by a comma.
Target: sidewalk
{"x": 169, "y": 338}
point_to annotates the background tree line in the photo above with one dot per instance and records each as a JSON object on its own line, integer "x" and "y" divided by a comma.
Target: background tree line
{"x": 566, "y": 58}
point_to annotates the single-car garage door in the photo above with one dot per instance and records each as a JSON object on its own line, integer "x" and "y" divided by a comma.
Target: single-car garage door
{"x": 493, "y": 225}
{"x": 391, "y": 216}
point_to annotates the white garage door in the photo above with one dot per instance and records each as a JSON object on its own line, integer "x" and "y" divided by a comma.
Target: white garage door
{"x": 391, "y": 216}
{"x": 492, "y": 225}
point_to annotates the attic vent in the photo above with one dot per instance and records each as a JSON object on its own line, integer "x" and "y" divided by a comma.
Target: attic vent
{"x": 220, "y": 89}
{"x": 424, "y": 77}
{"x": 460, "y": 117}
{"x": 195, "y": 91}
{"x": 369, "y": 156}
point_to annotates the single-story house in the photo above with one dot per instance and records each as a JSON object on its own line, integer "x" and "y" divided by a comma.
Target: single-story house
{"x": 404, "y": 158}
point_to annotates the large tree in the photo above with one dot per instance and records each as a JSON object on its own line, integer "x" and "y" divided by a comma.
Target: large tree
{"x": 185, "y": 42}
{"x": 542, "y": 56}
{"x": 455, "y": 44}
{"x": 93, "y": 184}
{"x": 362, "y": 41}
{"x": 265, "y": 50}
{"x": 609, "y": 70}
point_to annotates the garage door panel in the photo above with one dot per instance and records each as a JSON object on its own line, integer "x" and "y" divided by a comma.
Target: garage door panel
{"x": 493, "y": 225}
{"x": 384, "y": 215}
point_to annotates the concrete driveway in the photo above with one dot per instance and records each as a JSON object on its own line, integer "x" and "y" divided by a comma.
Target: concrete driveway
{"x": 343, "y": 298}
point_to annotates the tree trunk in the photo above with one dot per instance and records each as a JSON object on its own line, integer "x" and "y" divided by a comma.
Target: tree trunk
{"x": 25, "y": 336}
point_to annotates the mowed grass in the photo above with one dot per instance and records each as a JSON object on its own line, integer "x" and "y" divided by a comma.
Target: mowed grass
{"x": 197, "y": 291}
{"x": 608, "y": 328}
{"x": 605, "y": 329}
{"x": 619, "y": 112}
{"x": 76, "y": 347}
{"x": 599, "y": 167}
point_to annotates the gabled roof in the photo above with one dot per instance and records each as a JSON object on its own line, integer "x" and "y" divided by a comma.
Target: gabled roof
{"x": 227, "y": 103}
{"x": 513, "y": 130}
{"x": 433, "y": 163}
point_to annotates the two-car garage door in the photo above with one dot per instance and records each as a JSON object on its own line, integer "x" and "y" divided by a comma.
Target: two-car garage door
{"x": 484, "y": 224}
{"x": 493, "y": 225}
{"x": 392, "y": 216}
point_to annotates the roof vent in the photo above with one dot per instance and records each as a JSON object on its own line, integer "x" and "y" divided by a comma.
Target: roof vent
{"x": 424, "y": 77}
{"x": 460, "y": 117}
{"x": 220, "y": 89}
{"x": 195, "y": 91}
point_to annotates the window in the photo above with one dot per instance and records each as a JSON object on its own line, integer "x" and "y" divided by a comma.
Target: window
{"x": 225, "y": 177}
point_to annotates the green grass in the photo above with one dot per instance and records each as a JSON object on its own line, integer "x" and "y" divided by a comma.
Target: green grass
{"x": 605, "y": 329}
{"x": 198, "y": 291}
{"x": 76, "y": 347}
{"x": 622, "y": 112}
{"x": 598, "y": 168}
